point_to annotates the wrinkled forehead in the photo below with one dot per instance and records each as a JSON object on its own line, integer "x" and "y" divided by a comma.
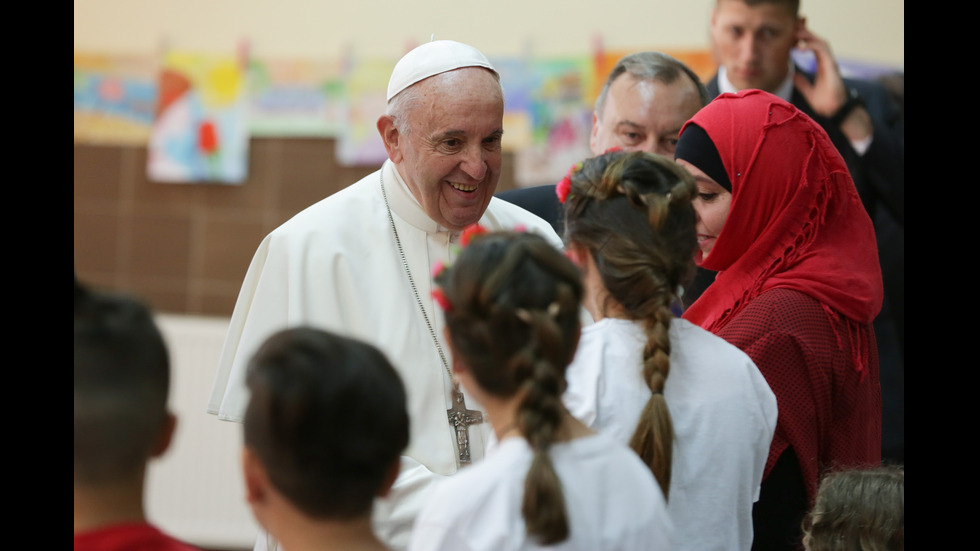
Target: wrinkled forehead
{"x": 458, "y": 91}
{"x": 466, "y": 81}
{"x": 467, "y": 100}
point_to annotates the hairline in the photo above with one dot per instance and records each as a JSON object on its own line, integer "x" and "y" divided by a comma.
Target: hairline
{"x": 404, "y": 101}
{"x": 792, "y": 5}
{"x": 650, "y": 67}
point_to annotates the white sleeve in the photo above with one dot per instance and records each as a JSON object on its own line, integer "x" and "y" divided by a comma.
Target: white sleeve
{"x": 228, "y": 393}
{"x": 395, "y": 514}
{"x": 436, "y": 527}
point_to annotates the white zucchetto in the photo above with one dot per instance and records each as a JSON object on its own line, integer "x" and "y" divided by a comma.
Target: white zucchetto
{"x": 433, "y": 58}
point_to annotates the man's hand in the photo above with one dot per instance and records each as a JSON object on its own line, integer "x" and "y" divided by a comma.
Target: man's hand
{"x": 826, "y": 94}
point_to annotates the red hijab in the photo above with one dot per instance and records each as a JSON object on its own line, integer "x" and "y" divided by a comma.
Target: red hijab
{"x": 796, "y": 220}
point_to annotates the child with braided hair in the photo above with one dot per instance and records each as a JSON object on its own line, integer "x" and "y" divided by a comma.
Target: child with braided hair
{"x": 512, "y": 307}
{"x": 695, "y": 408}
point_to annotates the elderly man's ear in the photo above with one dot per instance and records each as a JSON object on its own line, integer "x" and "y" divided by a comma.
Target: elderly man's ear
{"x": 390, "y": 135}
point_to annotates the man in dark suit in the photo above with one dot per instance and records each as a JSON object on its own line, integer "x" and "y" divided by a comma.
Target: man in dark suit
{"x": 647, "y": 97}
{"x": 753, "y": 40}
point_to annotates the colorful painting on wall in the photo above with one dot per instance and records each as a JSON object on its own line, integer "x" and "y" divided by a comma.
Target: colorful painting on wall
{"x": 114, "y": 98}
{"x": 296, "y": 97}
{"x": 366, "y": 87}
{"x": 200, "y": 133}
{"x": 560, "y": 111}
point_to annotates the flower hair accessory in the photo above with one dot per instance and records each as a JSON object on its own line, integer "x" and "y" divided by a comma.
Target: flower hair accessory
{"x": 439, "y": 268}
{"x": 441, "y": 299}
{"x": 438, "y": 271}
{"x": 564, "y": 187}
{"x": 470, "y": 232}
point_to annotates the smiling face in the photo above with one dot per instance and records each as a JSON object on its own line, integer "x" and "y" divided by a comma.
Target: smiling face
{"x": 712, "y": 204}
{"x": 644, "y": 115}
{"x": 447, "y": 148}
{"x": 754, "y": 42}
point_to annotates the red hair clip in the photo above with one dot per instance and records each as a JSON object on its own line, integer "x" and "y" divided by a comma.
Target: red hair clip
{"x": 470, "y": 232}
{"x": 564, "y": 187}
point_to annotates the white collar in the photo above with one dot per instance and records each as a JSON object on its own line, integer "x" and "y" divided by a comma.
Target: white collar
{"x": 784, "y": 90}
{"x": 404, "y": 204}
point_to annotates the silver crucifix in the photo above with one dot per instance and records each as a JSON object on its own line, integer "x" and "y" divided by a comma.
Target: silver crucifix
{"x": 460, "y": 419}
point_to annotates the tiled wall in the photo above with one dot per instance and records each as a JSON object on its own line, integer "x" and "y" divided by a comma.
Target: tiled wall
{"x": 184, "y": 248}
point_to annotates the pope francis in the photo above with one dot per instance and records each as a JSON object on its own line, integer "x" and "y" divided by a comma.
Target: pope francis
{"x": 359, "y": 262}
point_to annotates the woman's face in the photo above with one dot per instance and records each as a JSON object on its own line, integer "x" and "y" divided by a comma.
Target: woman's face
{"x": 712, "y": 204}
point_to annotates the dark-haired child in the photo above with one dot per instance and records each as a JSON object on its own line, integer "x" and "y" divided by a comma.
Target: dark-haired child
{"x": 324, "y": 428}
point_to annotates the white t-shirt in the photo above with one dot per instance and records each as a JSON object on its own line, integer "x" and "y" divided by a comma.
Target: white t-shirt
{"x": 611, "y": 498}
{"x": 723, "y": 411}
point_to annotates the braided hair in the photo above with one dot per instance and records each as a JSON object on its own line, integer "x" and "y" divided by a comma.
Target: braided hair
{"x": 633, "y": 212}
{"x": 513, "y": 318}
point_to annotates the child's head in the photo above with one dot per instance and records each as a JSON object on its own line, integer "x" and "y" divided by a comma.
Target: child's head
{"x": 122, "y": 376}
{"x": 512, "y": 311}
{"x": 633, "y": 213}
{"x": 514, "y": 303}
{"x": 858, "y": 509}
{"x": 326, "y": 420}
{"x": 630, "y": 215}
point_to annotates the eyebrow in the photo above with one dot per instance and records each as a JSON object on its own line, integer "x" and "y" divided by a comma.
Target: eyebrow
{"x": 708, "y": 180}
{"x": 462, "y": 134}
{"x": 630, "y": 124}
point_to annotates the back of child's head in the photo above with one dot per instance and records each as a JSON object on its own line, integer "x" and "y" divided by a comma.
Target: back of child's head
{"x": 327, "y": 419}
{"x": 861, "y": 509}
{"x": 122, "y": 377}
{"x": 515, "y": 301}
{"x": 633, "y": 213}
{"x": 512, "y": 309}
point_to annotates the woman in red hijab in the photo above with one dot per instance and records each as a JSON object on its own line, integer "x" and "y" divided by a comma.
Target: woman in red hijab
{"x": 797, "y": 289}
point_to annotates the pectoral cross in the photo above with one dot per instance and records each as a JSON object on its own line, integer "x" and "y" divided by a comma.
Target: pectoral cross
{"x": 460, "y": 419}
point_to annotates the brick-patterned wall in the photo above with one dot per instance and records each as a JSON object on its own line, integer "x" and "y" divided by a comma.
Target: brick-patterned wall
{"x": 184, "y": 248}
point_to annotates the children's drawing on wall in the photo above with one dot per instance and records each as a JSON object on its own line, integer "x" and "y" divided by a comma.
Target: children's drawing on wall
{"x": 561, "y": 119}
{"x": 366, "y": 88}
{"x": 200, "y": 133}
{"x": 114, "y": 98}
{"x": 518, "y": 81}
{"x": 296, "y": 98}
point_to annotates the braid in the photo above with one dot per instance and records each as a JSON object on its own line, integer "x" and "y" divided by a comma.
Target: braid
{"x": 539, "y": 417}
{"x": 514, "y": 321}
{"x": 633, "y": 212}
{"x": 653, "y": 439}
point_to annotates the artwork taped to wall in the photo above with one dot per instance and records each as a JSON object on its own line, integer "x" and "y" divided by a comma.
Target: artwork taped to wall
{"x": 200, "y": 133}
{"x": 560, "y": 111}
{"x": 115, "y": 97}
{"x": 296, "y": 97}
{"x": 364, "y": 101}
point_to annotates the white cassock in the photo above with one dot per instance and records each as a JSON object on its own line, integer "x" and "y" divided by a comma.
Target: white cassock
{"x": 336, "y": 266}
